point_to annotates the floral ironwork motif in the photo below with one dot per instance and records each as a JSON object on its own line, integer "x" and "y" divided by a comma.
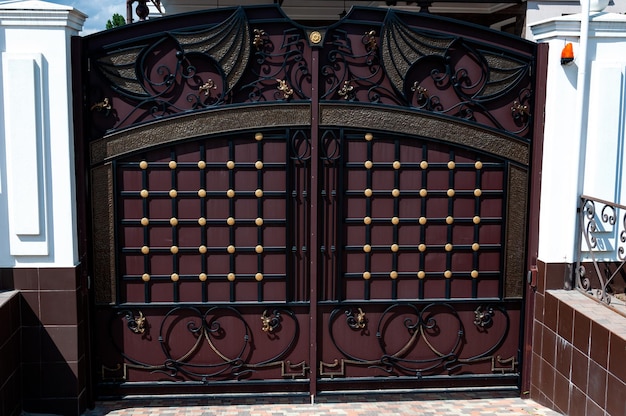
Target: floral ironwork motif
{"x": 102, "y": 105}
{"x": 284, "y": 88}
{"x": 136, "y": 323}
{"x": 207, "y": 87}
{"x": 259, "y": 39}
{"x": 356, "y": 320}
{"x": 270, "y": 323}
{"x": 483, "y": 316}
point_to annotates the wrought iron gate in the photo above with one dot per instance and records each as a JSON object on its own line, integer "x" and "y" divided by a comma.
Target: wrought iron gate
{"x": 278, "y": 208}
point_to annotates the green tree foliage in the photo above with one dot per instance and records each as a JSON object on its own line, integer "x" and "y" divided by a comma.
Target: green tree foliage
{"x": 115, "y": 21}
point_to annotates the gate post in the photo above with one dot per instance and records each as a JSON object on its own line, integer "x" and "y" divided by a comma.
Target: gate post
{"x": 38, "y": 242}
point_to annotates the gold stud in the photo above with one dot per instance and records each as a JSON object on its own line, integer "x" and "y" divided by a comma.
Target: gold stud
{"x": 422, "y": 247}
{"x": 476, "y": 219}
{"x": 369, "y": 137}
{"x": 448, "y": 247}
{"x": 395, "y": 192}
{"x": 202, "y": 221}
{"x": 368, "y": 164}
{"x": 201, "y": 193}
{"x": 145, "y": 221}
{"x": 144, "y": 193}
{"x": 174, "y": 249}
{"x": 395, "y": 220}
{"x": 258, "y": 193}
{"x": 231, "y": 277}
{"x": 230, "y": 249}
{"x": 172, "y": 164}
{"x": 367, "y": 248}
{"x": 259, "y": 249}
{"x": 393, "y": 274}
{"x": 475, "y": 246}
{"x": 396, "y": 165}
{"x": 423, "y": 220}
{"x": 202, "y": 249}
{"x": 258, "y": 137}
{"x": 421, "y": 274}
{"x": 367, "y": 192}
{"x": 230, "y": 221}
{"x": 258, "y": 277}
{"x": 367, "y": 220}
{"x": 315, "y": 37}
{"x": 201, "y": 164}
{"x": 451, "y": 165}
{"x": 143, "y": 164}
{"x": 173, "y": 193}
{"x": 174, "y": 277}
{"x": 424, "y": 164}
{"x": 478, "y": 165}
{"x": 258, "y": 164}
{"x": 145, "y": 249}
{"x": 173, "y": 222}
{"x": 259, "y": 221}
{"x": 449, "y": 220}
{"x": 395, "y": 248}
{"x": 202, "y": 277}
{"x": 423, "y": 193}
{"x": 478, "y": 192}
{"x": 230, "y": 164}
{"x": 474, "y": 274}
{"x": 450, "y": 193}
{"x": 145, "y": 277}
{"x": 230, "y": 193}
{"x": 447, "y": 274}
{"x": 367, "y": 275}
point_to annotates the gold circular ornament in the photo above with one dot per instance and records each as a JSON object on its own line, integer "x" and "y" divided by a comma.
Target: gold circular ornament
{"x": 395, "y": 248}
{"x": 369, "y": 137}
{"x": 395, "y": 220}
{"x": 172, "y": 164}
{"x": 259, "y": 221}
{"x": 368, "y": 164}
{"x": 173, "y": 193}
{"x": 258, "y": 137}
{"x": 450, "y": 193}
{"x": 174, "y": 249}
{"x": 451, "y": 165}
{"x": 367, "y": 192}
{"x": 421, "y": 274}
{"x": 145, "y": 277}
{"x": 201, "y": 193}
{"x": 202, "y": 249}
{"x": 231, "y": 277}
{"x": 395, "y": 193}
{"x": 449, "y": 220}
{"x": 476, "y": 219}
{"x": 230, "y": 193}
{"x": 230, "y": 249}
{"x": 396, "y": 165}
{"x": 315, "y": 37}
{"x": 145, "y": 249}
{"x": 259, "y": 249}
{"x": 447, "y": 274}
{"x": 393, "y": 275}
{"x": 474, "y": 274}
{"x": 202, "y": 221}
{"x": 258, "y": 277}
{"x": 422, "y": 247}
{"x": 478, "y": 192}
{"x": 367, "y": 248}
{"x": 478, "y": 165}
{"x": 173, "y": 221}
{"x": 448, "y": 247}
{"x": 424, "y": 164}
{"x": 230, "y": 221}
{"x": 143, "y": 164}
{"x": 201, "y": 164}
{"x": 202, "y": 277}
{"x": 423, "y": 193}
{"x": 475, "y": 246}
{"x": 423, "y": 220}
{"x": 367, "y": 275}
{"x": 258, "y": 164}
{"x": 230, "y": 164}
{"x": 144, "y": 193}
{"x": 367, "y": 220}
{"x": 258, "y": 193}
{"x": 174, "y": 277}
{"x": 145, "y": 221}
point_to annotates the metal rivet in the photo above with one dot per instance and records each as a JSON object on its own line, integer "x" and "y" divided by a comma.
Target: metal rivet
{"x": 393, "y": 274}
{"x": 173, "y": 221}
{"x": 202, "y": 249}
{"x": 422, "y": 247}
{"x": 367, "y": 220}
{"x": 478, "y": 192}
{"x": 396, "y": 165}
{"x": 367, "y": 248}
{"x": 231, "y": 277}
{"x": 450, "y": 193}
{"x": 258, "y": 277}
{"x": 201, "y": 193}
{"x": 451, "y": 165}
{"x": 368, "y": 164}
{"x": 475, "y": 246}
{"x": 144, "y": 193}
{"x": 315, "y": 37}
{"x": 143, "y": 164}
{"x": 174, "y": 277}
{"x": 258, "y": 249}
{"x": 447, "y": 274}
{"x": 421, "y": 274}
{"x": 259, "y": 221}
{"x": 423, "y": 220}
{"x": 369, "y": 137}
{"x": 258, "y": 193}
{"x": 478, "y": 165}
{"x": 395, "y": 193}
{"x": 367, "y": 192}
{"x": 145, "y": 277}
{"x": 202, "y": 277}
{"x": 395, "y": 248}
{"x": 474, "y": 274}
{"x": 258, "y": 137}
{"x": 173, "y": 193}
{"x": 201, "y": 164}
{"x": 230, "y": 164}
{"x": 145, "y": 249}
{"x": 230, "y": 221}
{"x": 172, "y": 164}
{"x": 145, "y": 221}
{"x": 230, "y": 193}
{"x": 476, "y": 220}
{"x": 230, "y": 249}
{"x": 258, "y": 164}
{"x": 202, "y": 221}
{"x": 448, "y": 247}
{"x": 174, "y": 249}
{"x": 424, "y": 164}
{"x": 423, "y": 193}
{"x": 449, "y": 220}
{"x": 395, "y": 220}
{"x": 367, "y": 275}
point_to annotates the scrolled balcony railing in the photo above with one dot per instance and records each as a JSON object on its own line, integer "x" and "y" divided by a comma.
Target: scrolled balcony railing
{"x": 602, "y": 248}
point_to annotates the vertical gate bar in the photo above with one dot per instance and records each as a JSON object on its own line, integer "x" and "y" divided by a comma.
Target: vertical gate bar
{"x": 203, "y": 232}
{"x": 396, "y": 213}
{"x": 174, "y": 202}
{"x": 314, "y": 237}
{"x": 368, "y": 228}
{"x": 450, "y": 227}
{"x": 478, "y": 185}
{"x": 231, "y": 213}
{"x": 339, "y": 204}
{"x": 259, "y": 213}
{"x": 146, "y": 229}
{"x": 292, "y": 288}
{"x": 422, "y": 265}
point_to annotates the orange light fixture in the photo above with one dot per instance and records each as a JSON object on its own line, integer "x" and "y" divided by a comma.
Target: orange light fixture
{"x": 567, "y": 54}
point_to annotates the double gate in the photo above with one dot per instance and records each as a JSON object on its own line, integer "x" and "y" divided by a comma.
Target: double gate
{"x": 280, "y": 208}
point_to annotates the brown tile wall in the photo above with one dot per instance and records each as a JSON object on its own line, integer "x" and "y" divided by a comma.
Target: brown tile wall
{"x": 577, "y": 364}
{"x": 52, "y": 342}
{"x": 10, "y": 394}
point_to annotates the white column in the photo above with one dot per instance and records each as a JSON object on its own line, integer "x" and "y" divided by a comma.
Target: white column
{"x": 37, "y": 176}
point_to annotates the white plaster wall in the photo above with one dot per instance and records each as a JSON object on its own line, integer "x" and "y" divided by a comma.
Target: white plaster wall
{"x": 36, "y": 135}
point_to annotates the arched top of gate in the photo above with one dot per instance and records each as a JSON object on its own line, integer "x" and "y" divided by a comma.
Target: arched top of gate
{"x": 234, "y": 58}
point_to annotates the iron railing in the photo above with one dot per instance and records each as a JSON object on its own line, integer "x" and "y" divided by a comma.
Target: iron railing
{"x": 602, "y": 247}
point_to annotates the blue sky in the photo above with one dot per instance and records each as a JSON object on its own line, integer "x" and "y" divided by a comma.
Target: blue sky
{"x": 98, "y": 11}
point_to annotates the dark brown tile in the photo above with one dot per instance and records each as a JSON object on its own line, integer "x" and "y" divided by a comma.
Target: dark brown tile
{"x": 30, "y": 344}
{"x": 617, "y": 352}
{"x": 59, "y": 380}
{"x": 59, "y": 406}
{"x": 563, "y": 358}
{"x": 561, "y": 393}
{"x": 31, "y": 382}
{"x": 548, "y": 348}
{"x": 580, "y": 370}
{"x": 556, "y": 273}
{"x": 535, "y": 373}
{"x": 551, "y": 311}
{"x": 6, "y": 279}
{"x": 26, "y": 279}
{"x": 582, "y": 330}
{"x": 537, "y": 335}
{"x": 599, "y": 344}
{"x": 58, "y": 308}
{"x": 5, "y": 318}
{"x": 9, "y": 357}
{"x": 546, "y": 383}
{"x": 596, "y": 389}
{"x": 593, "y": 409}
{"x": 577, "y": 402}
{"x": 29, "y": 309}
{"x": 539, "y": 301}
{"x": 11, "y": 397}
{"x": 541, "y": 277}
{"x": 59, "y": 344}
{"x": 615, "y": 391}
{"x": 566, "y": 321}
{"x": 57, "y": 279}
